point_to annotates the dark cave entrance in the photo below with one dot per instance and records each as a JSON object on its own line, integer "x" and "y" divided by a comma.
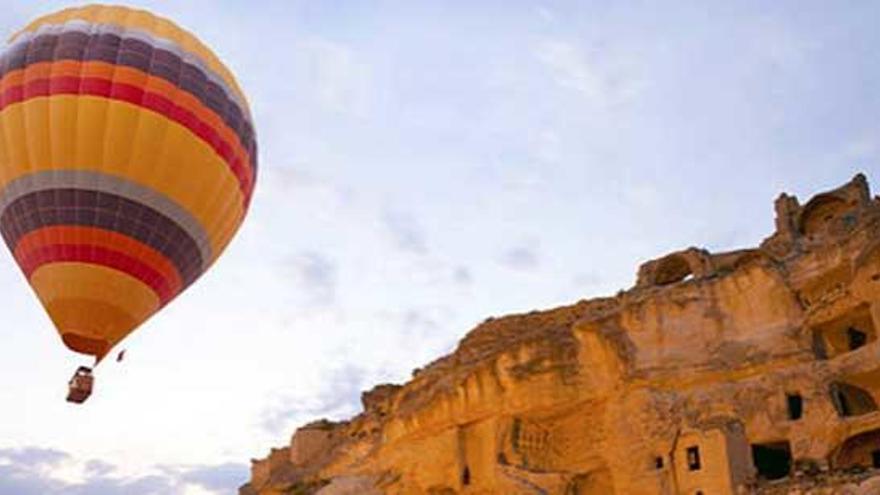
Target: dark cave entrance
{"x": 855, "y": 338}
{"x": 772, "y": 460}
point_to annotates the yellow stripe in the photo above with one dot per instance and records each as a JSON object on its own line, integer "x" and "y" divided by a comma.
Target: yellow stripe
{"x": 133, "y": 143}
{"x": 56, "y": 283}
{"x": 36, "y": 123}
{"x": 90, "y": 320}
{"x": 144, "y": 21}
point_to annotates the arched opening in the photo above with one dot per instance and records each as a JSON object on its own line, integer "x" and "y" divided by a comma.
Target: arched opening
{"x": 862, "y": 450}
{"x": 820, "y": 215}
{"x": 850, "y": 400}
{"x": 847, "y": 333}
{"x": 672, "y": 269}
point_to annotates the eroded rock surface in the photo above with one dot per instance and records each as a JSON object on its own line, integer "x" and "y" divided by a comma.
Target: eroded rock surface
{"x": 753, "y": 371}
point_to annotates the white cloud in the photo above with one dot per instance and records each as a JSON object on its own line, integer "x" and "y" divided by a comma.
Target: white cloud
{"x": 601, "y": 77}
{"x": 190, "y": 489}
{"x": 545, "y": 14}
{"x": 861, "y": 147}
{"x": 523, "y": 256}
{"x": 338, "y": 397}
{"x": 570, "y": 68}
{"x": 779, "y": 44}
{"x": 547, "y": 146}
{"x": 338, "y": 78}
{"x": 40, "y": 471}
{"x": 405, "y": 230}
{"x": 317, "y": 275}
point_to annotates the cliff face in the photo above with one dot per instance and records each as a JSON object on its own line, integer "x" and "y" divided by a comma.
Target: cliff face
{"x": 753, "y": 371}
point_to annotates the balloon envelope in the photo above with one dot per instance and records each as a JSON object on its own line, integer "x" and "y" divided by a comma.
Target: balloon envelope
{"x": 127, "y": 163}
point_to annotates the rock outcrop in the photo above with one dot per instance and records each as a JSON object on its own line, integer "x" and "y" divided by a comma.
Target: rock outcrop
{"x": 752, "y": 371}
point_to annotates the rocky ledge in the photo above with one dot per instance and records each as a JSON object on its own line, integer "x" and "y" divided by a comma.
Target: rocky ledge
{"x": 752, "y": 371}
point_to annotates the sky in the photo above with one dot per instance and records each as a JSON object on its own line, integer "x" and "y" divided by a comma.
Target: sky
{"x": 424, "y": 166}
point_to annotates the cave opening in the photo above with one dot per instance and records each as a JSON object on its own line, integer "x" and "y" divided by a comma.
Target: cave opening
{"x": 862, "y": 451}
{"x": 772, "y": 460}
{"x": 673, "y": 269}
{"x": 850, "y": 400}
{"x": 846, "y": 333}
{"x": 856, "y": 338}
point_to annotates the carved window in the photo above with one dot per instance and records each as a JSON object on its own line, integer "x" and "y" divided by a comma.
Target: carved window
{"x": 658, "y": 462}
{"x": 693, "y": 458}
{"x": 795, "y": 406}
{"x": 856, "y": 338}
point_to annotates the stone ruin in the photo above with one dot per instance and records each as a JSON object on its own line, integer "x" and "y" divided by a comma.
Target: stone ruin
{"x": 751, "y": 371}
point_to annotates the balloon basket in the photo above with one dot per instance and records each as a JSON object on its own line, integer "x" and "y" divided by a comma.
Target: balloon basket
{"x": 80, "y": 385}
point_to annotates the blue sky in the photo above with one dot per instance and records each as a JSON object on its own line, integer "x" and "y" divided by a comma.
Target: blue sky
{"x": 425, "y": 165}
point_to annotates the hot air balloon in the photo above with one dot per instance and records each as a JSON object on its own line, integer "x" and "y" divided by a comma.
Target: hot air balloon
{"x": 127, "y": 163}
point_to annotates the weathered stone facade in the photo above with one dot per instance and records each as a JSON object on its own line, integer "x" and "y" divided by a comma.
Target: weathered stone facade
{"x": 753, "y": 371}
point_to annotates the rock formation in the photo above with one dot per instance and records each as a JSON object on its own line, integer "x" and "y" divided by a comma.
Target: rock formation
{"x": 751, "y": 371}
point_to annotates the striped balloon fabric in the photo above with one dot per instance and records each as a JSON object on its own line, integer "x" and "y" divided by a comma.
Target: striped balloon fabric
{"x": 127, "y": 163}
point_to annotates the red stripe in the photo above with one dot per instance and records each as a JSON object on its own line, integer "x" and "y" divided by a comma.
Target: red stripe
{"x": 99, "y": 256}
{"x": 93, "y": 86}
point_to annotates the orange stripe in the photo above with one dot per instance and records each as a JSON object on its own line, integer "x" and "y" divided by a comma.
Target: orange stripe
{"x": 90, "y": 326}
{"x": 158, "y": 27}
{"x": 134, "y": 77}
{"x": 47, "y": 236}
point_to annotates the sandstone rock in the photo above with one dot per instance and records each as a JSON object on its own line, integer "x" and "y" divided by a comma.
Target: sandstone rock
{"x": 350, "y": 485}
{"x": 751, "y": 371}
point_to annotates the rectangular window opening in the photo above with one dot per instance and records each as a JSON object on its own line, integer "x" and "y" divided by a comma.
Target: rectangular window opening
{"x": 693, "y": 458}
{"x": 795, "y": 406}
